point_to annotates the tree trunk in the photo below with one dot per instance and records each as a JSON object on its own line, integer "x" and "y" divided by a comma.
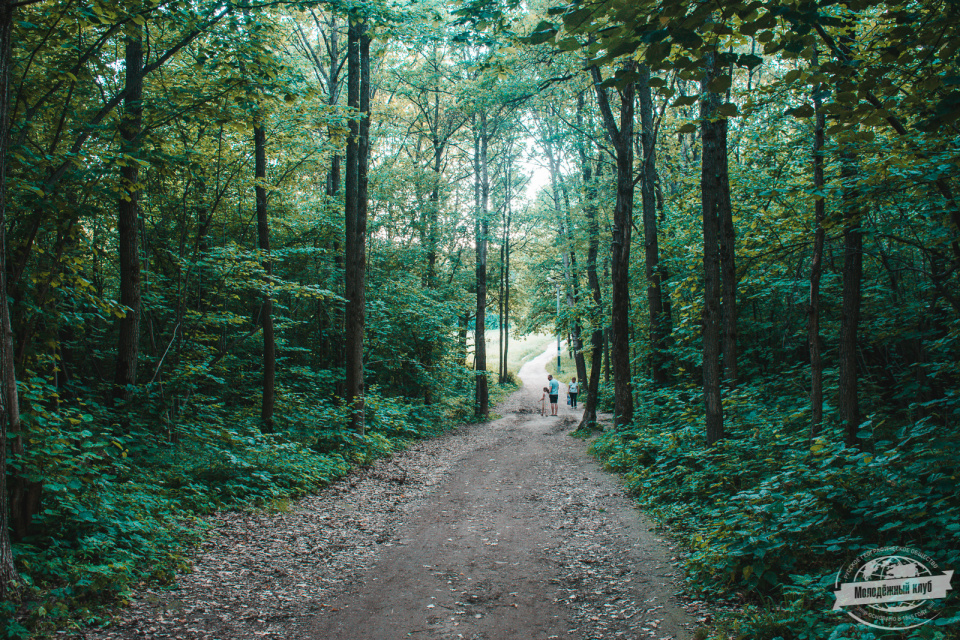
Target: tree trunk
{"x": 355, "y": 223}
{"x": 10, "y": 420}
{"x": 850, "y": 305}
{"x": 711, "y": 187}
{"x": 266, "y": 311}
{"x": 589, "y": 419}
{"x": 728, "y": 267}
{"x": 506, "y": 294}
{"x": 816, "y": 269}
{"x": 658, "y": 325}
{"x": 128, "y": 210}
{"x": 505, "y": 277}
{"x": 481, "y": 193}
{"x": 434, "y": 212}
{"x": 622, "y": 138}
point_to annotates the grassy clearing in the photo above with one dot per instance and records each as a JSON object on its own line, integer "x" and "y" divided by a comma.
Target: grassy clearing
{"x": 522, "y": 349}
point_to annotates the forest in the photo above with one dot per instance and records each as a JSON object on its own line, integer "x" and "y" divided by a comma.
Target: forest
{"x": 250, "y": 245}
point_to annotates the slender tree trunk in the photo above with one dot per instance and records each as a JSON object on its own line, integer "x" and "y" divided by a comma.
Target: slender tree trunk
{"x": 506, "y": 290}
{"x": 573, "y": 294}
{"x": 505, "y": 274}
{"x": 850, "y": 305}
{"x": 10, "y": 420}
{"x": 266, "y": 310}
{"x": 481, "y": 192}
{"x": 358, "y": 97}
{"x": 589, "y": 419}
{"x": 711, "y": 187}
{"x": 816, "y": 269}
{"x": 658, "y": 325}
{"x": 128, "y": 210}
{"x": 335, "y": 343}
{"x": 728, "y": 267}
{"x": 622, "y": 138}
{"x": 500, "y": 367}
{"x": 433, "y": 235}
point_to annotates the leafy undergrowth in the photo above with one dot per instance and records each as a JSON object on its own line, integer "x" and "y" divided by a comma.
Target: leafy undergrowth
{"x": 768, "y": 519}
{"x": 123, "y": 503}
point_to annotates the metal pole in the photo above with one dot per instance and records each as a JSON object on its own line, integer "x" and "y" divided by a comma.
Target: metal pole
{"x": 558, "y": 329}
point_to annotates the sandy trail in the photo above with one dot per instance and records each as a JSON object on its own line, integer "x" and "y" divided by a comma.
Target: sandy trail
{"x": 499, "y": 531}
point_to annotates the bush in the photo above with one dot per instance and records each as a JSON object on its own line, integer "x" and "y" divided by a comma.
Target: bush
{"x": 769, "y": 519}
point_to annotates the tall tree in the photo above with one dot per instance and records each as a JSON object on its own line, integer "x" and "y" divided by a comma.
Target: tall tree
{"x": 816, "y": 266}
{"x": 714, "y": 189}
{"x": 128, "y": 210}
{"x": 481, "y": 137}
{"x": 266, "y": 308}
{"x": 589, "y": 181}
{"x": 10, "y": 420}
{"x": 355, "y": 214}
{"x": 651, "y": 246}
{"x": 621, "y": 136}
{"x": 850, "y": 304}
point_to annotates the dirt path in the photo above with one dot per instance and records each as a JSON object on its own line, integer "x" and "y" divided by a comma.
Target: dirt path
{"x": 502, "y": 531}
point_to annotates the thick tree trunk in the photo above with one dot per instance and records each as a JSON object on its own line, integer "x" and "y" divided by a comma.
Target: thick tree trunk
{"x": 651, "y": 247}
{"x": 816, "y": 269}
{"x": 128, "y": 210}
{"x": 850, "y": 305}
{"x": 711, "y": 188}
{"x": 10, "y": 420}
{"x": 481, "y": 193}
{"x": 622, "y": 138}
{"x": 358, "y": 97}
{"x": 266, "y": 310}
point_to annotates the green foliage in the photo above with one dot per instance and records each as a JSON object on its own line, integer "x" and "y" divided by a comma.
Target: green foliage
{"x": 769, "y": 519}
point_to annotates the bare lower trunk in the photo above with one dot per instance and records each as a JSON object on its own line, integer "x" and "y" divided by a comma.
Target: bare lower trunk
{"x": 816, "y": 269}
{"x": 651, "y": 246}
{"x": 358, "y": 96}
{"x": 10, "y": 420}
{"x": 850, "y": 305}
{"x": 622, "y": 138}
{"x": 127, "y": 214}
{"x": 266, "y": 311}
{"x": 482, "y": 190}
{"x": 711, "y": 188}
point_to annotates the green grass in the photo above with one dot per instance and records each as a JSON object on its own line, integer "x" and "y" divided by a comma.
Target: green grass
{"x": 522, "y": 349}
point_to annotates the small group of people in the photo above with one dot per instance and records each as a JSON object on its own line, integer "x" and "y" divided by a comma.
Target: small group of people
{"x": 552, "y": 393}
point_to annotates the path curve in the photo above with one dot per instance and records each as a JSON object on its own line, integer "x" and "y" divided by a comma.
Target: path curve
{"x": 500, "y": 531}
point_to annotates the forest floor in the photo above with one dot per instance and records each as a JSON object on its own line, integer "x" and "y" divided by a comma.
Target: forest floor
{"x": 499, "y": 531}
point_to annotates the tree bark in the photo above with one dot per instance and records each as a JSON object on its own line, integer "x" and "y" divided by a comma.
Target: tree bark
{"x": 10, "y": 420}
{"x": 358, "y": 97}
{"x": 505, "y": 275}
{"x": 622, "y": 138}
{"x": 816, "y": 269}
{"x": 589, "y": 419}
{"x": 266, "y": 311}
{"x": 711, "y": 188}
{"x": 128, "y": 210}
{"x": 651, "y": 247}
{"x": 481, "y": 193}
{"x": 850, "y": 304}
